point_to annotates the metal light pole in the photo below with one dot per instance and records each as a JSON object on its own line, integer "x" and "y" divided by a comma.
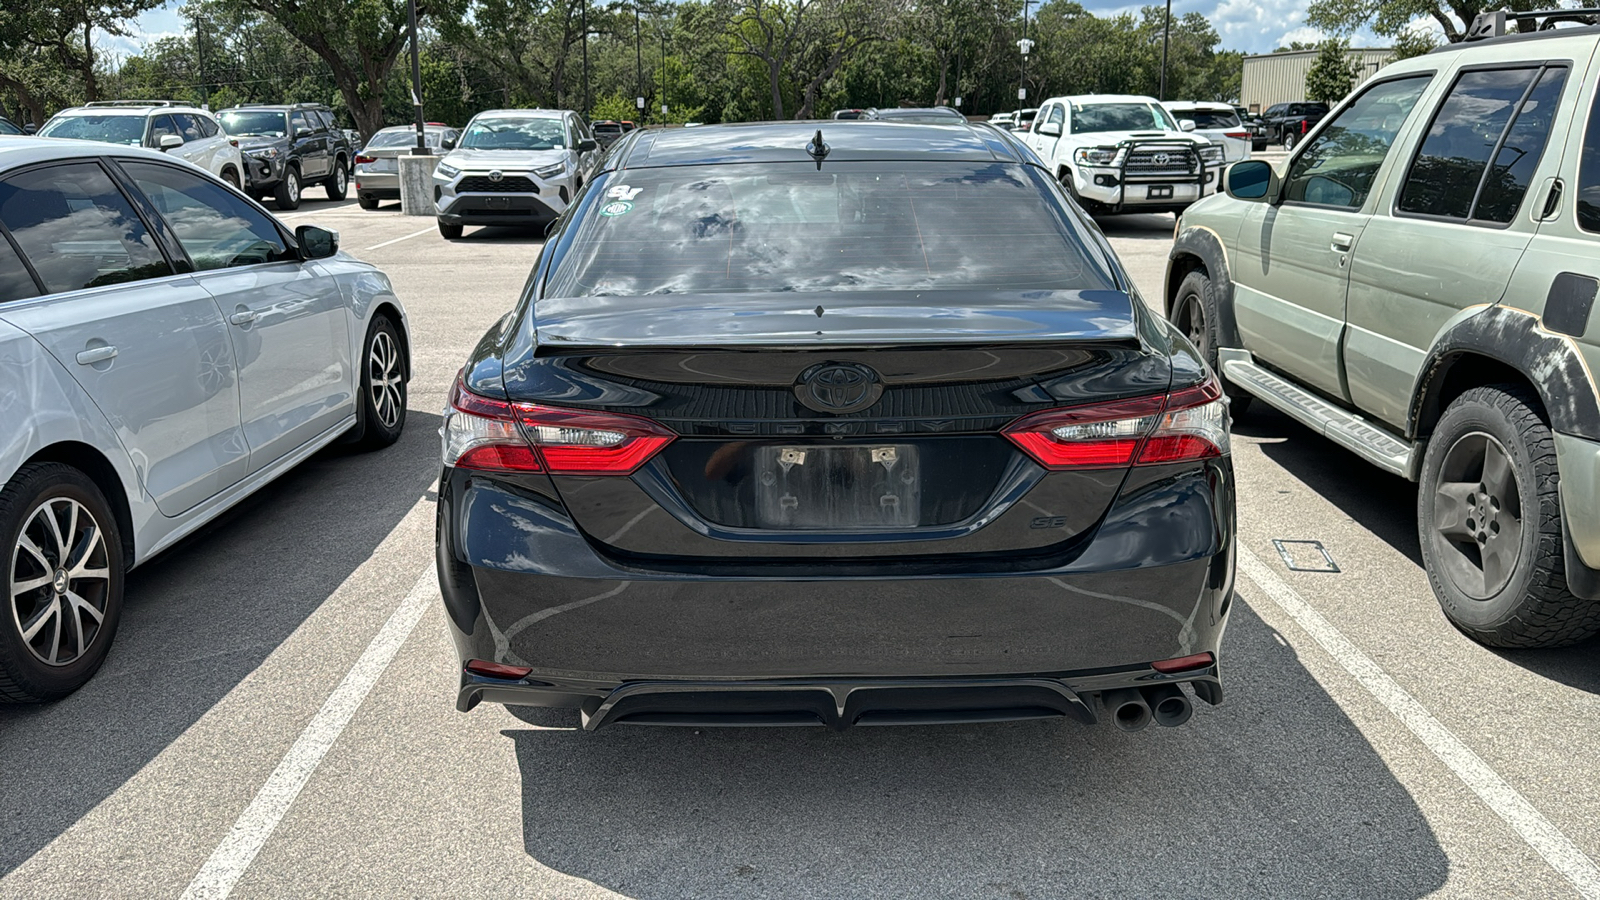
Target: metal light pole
{"x": 586, "y": 105}
{"x": 1166, "y": 32}
{"x": 638, "y": 66}
{"x": 1024, "y": 45}
{"x": 421, "y": 149}
{"x": 663, "y": 76}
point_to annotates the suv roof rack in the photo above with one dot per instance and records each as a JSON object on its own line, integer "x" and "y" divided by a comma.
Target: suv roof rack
{"x": 1493, "y": 24}
{"x": 130, "y": 103}
{"x": 308, "y": 105}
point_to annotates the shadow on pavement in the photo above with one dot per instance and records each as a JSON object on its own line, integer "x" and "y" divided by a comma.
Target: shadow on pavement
{"x": 197, "y": 620}
{"x": 1384, "y": 504}
{"x": 1153, "y": 226}
{"x": 1275, "y": 793}
{"x": 503, "y": 234}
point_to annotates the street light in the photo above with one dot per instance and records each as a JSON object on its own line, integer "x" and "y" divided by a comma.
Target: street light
{"x": 421, "y": 149}
{"x": 1024, "y": 45}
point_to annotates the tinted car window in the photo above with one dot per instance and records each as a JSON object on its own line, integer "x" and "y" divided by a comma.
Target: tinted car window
{"x": 7, "y": 127}
{"x": 856, "y": 226}
{"x": 1507, "y": 179}
{"x": 77, "y": 229}
{"x": 326, "y": 118}
{"x": 162, "y": 125}
{"x": 188, "y": 127}
{"x": 1206, "y": 118}
{"x": 1338, "y": 167}
{"x": 1589, "y": 173}
{"x": 216, "y": 227}
{"x": 208, "y": 126}
{"x": 15, "y": 282}
{"x": 1450, "y": 163}
{"x": 299, "y": 122}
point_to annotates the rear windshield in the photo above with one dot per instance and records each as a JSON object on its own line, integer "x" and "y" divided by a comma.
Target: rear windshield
{"x": 112, "y": 129}
{"x": 386, "y": 139}
{"x": 849, "y": 227}
{"x": 1209, "y": 118}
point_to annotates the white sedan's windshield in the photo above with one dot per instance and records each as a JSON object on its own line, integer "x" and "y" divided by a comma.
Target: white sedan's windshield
{"x": 514, "y": 134}
{"x": 1089, "y": 118}
{"x": 110, "y": 129}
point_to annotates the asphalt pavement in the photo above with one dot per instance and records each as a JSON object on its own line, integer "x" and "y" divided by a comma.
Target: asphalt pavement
{"x": 276, "y": 718}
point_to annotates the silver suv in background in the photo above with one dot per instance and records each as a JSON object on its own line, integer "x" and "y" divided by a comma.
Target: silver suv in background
{"x": 377, "y": 170}
{"x": 186, "y": 132}
{"x": 166, "y": 348}
{"x": 514, "y": 167}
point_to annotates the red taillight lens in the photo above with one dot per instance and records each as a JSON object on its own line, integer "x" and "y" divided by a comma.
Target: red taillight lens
{"x": 497, "y": 670}
{"x": 1184, "y": 663}
{"x": 496, "y": 436}
{"x": 365, "y": 159}
{"x": 1237, "y": 135}
{"x": 1305, "y": 126}
{"x": 1188, "y": 424}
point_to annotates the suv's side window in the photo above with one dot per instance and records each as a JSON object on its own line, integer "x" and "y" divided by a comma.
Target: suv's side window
{"x": 1589, "y": 173}
{"x": 327, "y": 120}
{"x": 208, "y": 126}
{"x": 160, "y": 125}
{"x": 1480, "y": 120}
{"x": 1338, "y": 168}
{"x": 216, "y": 227}
{"x": 77, "y": 229}
{"x": 187, "y": 126}
{"x": 298, "y": 122}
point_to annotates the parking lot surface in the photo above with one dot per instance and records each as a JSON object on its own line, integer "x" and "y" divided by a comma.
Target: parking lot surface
{"x": 276, "y": 718}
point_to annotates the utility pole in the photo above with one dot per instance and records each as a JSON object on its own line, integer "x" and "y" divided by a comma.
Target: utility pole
{"x": 638, "y": 65}
{"x": 1024, "y": 45}
{"x": 1166, "y": 32}
{"x": 421, "y": 149}
{"x": 663, "y": 76}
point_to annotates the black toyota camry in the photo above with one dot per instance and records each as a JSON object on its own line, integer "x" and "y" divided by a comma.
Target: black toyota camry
{"x": 853, "y": 427}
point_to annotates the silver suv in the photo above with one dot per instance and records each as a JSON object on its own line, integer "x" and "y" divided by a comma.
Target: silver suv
{"x": 514, "y": 167}
{"x": 1416, "y": 283}
{"x": 166, "y": 348}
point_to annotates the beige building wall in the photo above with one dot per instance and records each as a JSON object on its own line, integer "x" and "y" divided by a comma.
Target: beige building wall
{"x": 1281, "y": 77}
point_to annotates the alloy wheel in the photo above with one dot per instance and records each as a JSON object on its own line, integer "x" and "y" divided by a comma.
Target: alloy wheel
{"x": 293, "y": 185}
{"x": 383, "y": 372}
{"x": 341, "y": 178}
{"x": 1477, "y": 515}
{"x": 60, "y": 581}
{"x": 1194, "y": 323}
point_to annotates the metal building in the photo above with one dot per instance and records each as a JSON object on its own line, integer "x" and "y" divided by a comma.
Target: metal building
{"x": 1281, "y": 77}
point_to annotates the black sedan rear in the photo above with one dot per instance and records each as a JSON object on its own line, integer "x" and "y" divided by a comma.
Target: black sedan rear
{"x": 869, "y": 432}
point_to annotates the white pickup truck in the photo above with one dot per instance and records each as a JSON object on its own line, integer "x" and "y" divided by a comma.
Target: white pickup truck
{"x": 1118, "y": 153}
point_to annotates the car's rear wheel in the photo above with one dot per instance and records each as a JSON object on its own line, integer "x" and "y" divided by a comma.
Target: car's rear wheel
{"x": 367, "y": 202}
{"x": 63, "y": 582}
{"x": 1489, "y": 519}
{"x": 231, "y": 177}
{"x": 383, "y": 386}
{"x": 338, "y": 184}
{"x": 1194, "y": 311}
{"x": 287, "y": 194}
{"x": 1290, "y": 139}
{"x": 450, "y": 232}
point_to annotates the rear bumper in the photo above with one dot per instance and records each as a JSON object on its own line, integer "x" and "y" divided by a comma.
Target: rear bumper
{"x": 383, "y": 185}
{"x": 629, "y": 641}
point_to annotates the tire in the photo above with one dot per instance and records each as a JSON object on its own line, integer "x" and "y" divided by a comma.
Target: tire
{"x": 1489, "y": 520}
{"x": 450, "y": 232}
{"x": 1290, "y": 139}
{"x": 231, "y": 177}
{"x": 383, "y": 386}
{"x": 338, "y": 184}
{"x": 287, "y": 194}
{"x": 1194, "y": 311}
{"x": 367, "y": 202}
{"x": 48, "y": 664}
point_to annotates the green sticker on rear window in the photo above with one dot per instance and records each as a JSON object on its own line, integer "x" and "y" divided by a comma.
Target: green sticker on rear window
{"x": 616, "y": 208}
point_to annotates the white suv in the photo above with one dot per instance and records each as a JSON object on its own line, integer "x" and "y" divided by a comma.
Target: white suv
{"x": 1117, "y": 153}
{"x": 186, "y": 132}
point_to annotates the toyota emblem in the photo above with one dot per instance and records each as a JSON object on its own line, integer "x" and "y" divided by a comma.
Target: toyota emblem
{"x": 838, "y": 387}
{"x": 495, "y": 175}
{"x": 1159, "y": 159}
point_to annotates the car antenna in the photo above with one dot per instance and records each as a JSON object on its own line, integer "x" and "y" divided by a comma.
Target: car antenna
{"x": 817, "y": 149}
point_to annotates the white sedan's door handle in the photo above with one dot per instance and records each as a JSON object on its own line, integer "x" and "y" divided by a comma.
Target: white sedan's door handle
{"x": 1342, "y": 241}
{"x": 243, "y": 317}
{"x": 97, "y": 355}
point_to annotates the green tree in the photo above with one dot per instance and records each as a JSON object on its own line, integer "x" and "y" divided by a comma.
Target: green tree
{"x": 1412, "y": 42}
{"x": 1390, "y": 18}
{"x": 1332, "y": 73}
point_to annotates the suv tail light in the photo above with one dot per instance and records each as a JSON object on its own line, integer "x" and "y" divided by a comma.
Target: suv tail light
{"x": 1236, "y": 135}
{"x": 1305, "y": 126}
{"x": 363, "y": 160}
{"x": 497, "y": 436}
{"x": 1187, "y": 424}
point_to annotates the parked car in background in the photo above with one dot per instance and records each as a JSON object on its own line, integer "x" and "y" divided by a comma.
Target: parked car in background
{"x": 377, "y": 167}
{"x": 1216, "y": 122}
{"x": 514, "y": 167}
{"x": 1119, "y": 153}
{"x": 1022, "y": 119}
{"x": 290, "y": 147}
{"x": 607, "y": 132}
{"x": 186, "y": 132}
{"x": 1003, "y": 120}
{"x": 933, "y": 115}
{"x": 1285, "y": 124}
{"x": 166, "y": 349}
{"x": 850, "y": 114}
{"x": 8, "y": 127}
{"x": 675, "y": 493}
{"x": 1417, "y": 282}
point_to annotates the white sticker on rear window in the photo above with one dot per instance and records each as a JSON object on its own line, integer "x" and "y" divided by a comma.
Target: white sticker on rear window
{"x": 623, "y": 192}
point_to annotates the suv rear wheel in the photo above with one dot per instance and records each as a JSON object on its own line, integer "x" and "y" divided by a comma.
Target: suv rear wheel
{"x": 63, "y": 575}
{"x": 287, "y": 194}
{"x": 1489, "y": 519}
{"x": 338, "y": 184}
{"x": 1194, "y": 311}
{"x": 1290, "y": 138}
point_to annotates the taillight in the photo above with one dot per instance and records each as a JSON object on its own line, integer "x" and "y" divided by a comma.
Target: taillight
{"x": 1185, "y": 663}
{"x": 1237, "y": 135}
{"x": 365, "y": 159}
{"x": 497, "y": 436}
{"x": 1188, "y": 424}
{"x": 1305, "y": 126}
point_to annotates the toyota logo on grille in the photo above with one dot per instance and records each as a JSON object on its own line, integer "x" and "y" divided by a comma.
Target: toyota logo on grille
{"x": 495, "y": 175}
{"x": 1161, "y": 159}
{"x": 838, "y": 387}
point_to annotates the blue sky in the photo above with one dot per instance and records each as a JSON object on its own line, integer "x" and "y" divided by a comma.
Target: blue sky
{"x": 1254, "y": 26}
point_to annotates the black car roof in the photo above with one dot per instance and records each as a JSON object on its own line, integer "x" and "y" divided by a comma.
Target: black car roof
{"x": 847, "y": 140}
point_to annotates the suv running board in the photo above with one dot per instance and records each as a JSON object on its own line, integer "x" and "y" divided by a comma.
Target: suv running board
{"x": 1374, "y": 444}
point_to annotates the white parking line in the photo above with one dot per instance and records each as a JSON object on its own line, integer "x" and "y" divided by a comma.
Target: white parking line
{"x": 402, "y": 238}
{"x": 249, "y": 834}
{"x": 1546, "y": 839}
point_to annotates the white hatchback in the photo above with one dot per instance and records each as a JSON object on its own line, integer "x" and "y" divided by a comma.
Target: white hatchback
{"x": 186, "y": 132}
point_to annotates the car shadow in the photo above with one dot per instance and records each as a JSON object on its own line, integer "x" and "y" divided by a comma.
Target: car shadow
{"x": 1275, "y": 793}
{"x": 1384, "y": 504}
{"x": 504, "y": 234}
{"x": 197, "y": 620}
{"x": 1136, "y": 226}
